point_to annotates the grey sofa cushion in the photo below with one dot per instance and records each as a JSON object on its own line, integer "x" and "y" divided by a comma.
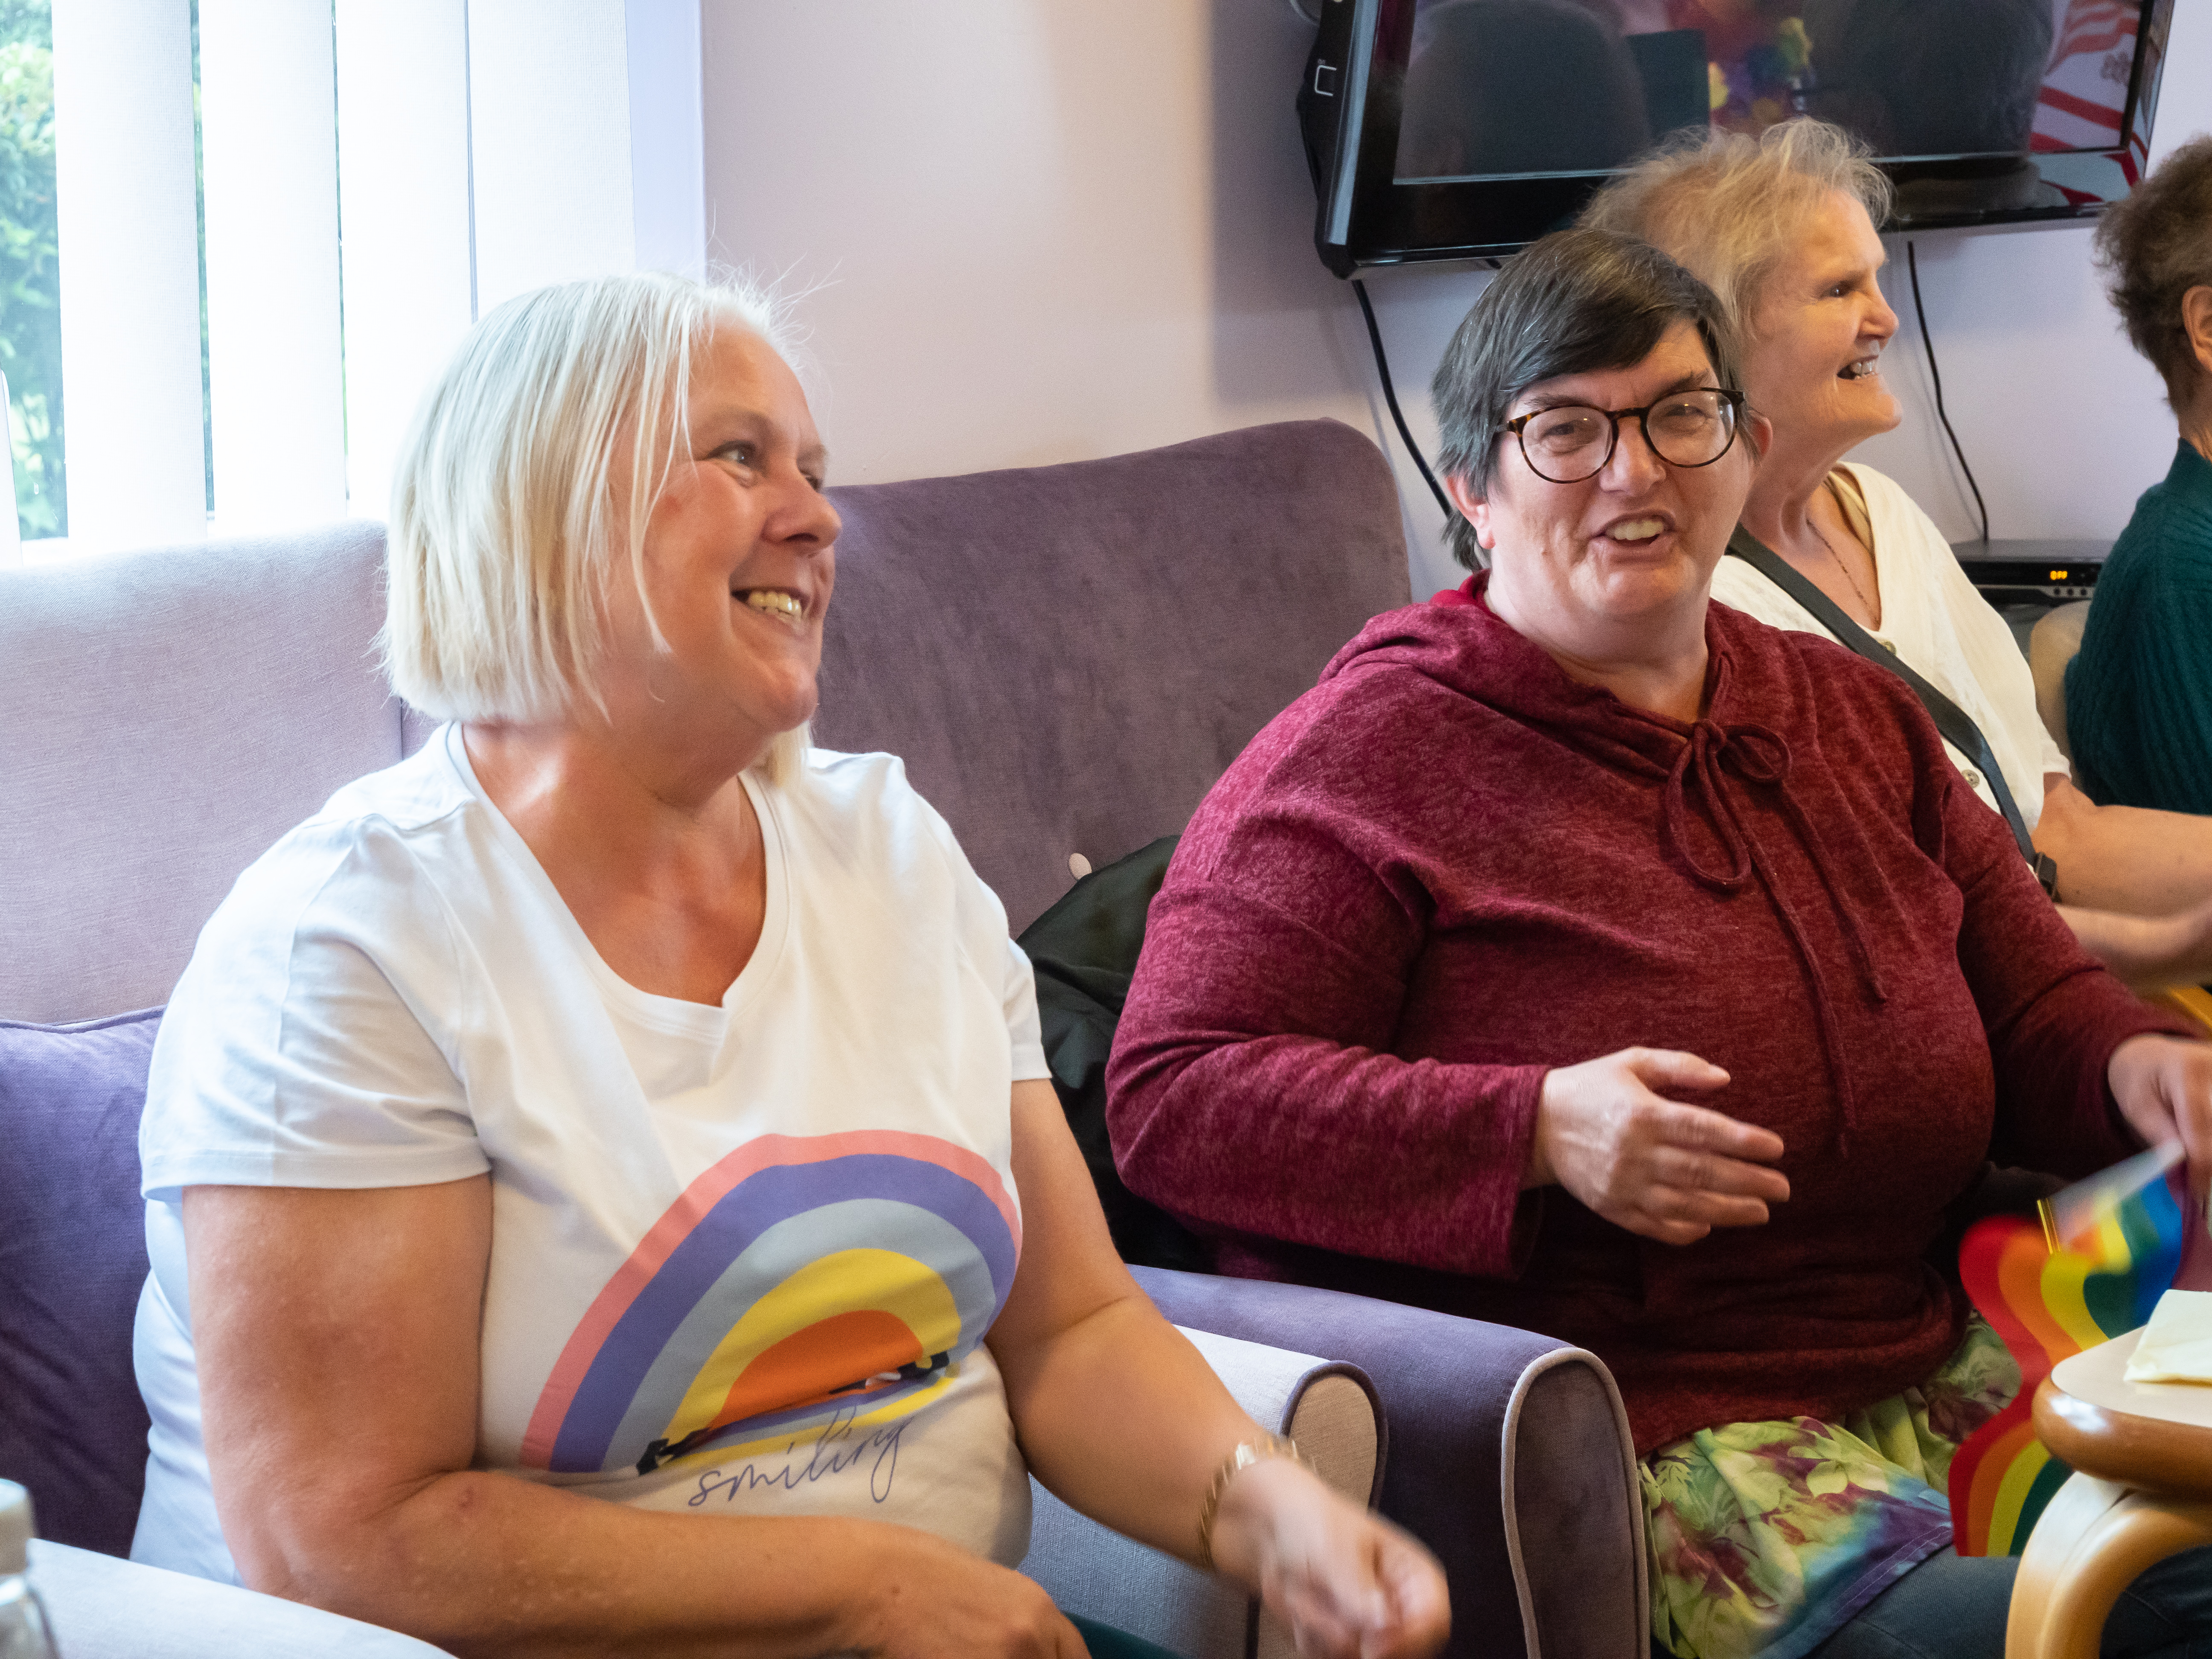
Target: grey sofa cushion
{"x": 165, "y": 716}
{"x": 1122, "y": 629}
{"x": 72, "y": 1258}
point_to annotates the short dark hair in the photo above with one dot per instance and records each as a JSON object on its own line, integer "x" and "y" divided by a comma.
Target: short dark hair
{"x": 1574, "y": 301}
{"x": 2156, "y": 245}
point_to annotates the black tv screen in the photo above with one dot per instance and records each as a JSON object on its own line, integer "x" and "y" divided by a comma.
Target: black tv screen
{"x": 1463, "y": 129}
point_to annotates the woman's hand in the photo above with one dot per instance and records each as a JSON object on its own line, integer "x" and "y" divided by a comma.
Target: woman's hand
{"x": 922, "y": 1598}
{"x": 1348, "y": 1583}
{"x": 1091, "y": 1369}
{"x": 1668, "y": 1171}
{"x": 2163, "y": 1087}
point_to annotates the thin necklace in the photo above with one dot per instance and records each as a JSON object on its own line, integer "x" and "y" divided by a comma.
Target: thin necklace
{"x": 1828, "y": 547}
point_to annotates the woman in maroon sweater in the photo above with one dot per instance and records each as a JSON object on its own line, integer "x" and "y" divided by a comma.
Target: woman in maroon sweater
{"x": 1584, "y": 957}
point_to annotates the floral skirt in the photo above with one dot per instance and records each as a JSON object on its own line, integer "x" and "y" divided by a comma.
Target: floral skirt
{"x": 1766, "y": 1538}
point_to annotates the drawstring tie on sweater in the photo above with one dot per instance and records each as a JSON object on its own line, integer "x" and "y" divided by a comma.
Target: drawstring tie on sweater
{"x": 1758, "y": 755}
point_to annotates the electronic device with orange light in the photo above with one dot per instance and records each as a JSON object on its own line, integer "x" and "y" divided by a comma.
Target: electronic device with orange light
{"x": 2052, "y": 571}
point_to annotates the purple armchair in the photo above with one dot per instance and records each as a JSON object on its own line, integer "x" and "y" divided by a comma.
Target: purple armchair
{"x": 1067, "y": 657}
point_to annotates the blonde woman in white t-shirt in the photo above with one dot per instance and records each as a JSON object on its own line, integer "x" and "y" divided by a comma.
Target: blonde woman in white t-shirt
{"x": 604, "y": 1188}
{"x": 1782, "y": 228}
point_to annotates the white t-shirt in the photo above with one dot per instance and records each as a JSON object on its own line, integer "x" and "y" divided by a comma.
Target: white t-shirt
{"x": 743, "y": 1257}
{"x": 1939, "y": 627}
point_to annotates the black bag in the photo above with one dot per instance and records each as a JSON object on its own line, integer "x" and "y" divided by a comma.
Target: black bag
{"x": 1084, "y": 950}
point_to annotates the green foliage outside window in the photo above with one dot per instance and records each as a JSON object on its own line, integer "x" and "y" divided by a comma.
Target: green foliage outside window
{"x": 30, "y": 266}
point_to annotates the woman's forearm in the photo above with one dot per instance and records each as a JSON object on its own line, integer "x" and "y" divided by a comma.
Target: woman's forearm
{"x": 1122, "y": 1419}
{"x": 1117, "y": 1414}
{"x": 482, "y": 1563}
{"x": 1320, "y": 1143}
{"x": 2149, "y": 952}
{"x": 1253, "y": 1087}
{"x": 1120, "y": 1416}
{"x": 2125, "y": 858}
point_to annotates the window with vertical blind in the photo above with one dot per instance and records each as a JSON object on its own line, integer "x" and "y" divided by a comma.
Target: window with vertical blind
{"x": 267, "y": 222}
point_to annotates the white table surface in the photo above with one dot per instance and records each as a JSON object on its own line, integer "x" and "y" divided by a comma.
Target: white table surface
{"x": 2096, "y": 1376}
{"x": 103, "y": 1607}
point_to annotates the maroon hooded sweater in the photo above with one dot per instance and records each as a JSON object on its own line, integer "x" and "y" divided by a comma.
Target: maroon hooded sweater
{"x": 1448, "y": 868}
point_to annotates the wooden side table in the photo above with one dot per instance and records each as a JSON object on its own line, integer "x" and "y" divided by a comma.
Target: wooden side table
{"x": 2142, "y": 1491}
{"x": 2192, "y": 1002}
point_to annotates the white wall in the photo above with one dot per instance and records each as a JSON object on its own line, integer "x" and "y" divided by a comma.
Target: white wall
{"x": 668, "y": 190}
{"x": 1046, "y": 232}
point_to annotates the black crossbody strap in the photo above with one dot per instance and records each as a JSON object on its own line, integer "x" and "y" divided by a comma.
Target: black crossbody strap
{"x": 1957, "y": 726}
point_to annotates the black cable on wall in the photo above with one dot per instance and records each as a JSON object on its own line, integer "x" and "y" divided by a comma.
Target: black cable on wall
{"x": 1390, "y": 397}
{"x": 1936, "y": 375}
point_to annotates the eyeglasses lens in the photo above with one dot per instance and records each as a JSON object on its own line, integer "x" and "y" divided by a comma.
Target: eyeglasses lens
{"x": 1566, "y": 445}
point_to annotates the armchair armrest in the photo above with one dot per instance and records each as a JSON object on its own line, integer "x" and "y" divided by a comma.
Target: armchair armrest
{"x": 1328, "y": 1409}
{"x": 1509, "y": 1457}
{"x": 103, "y": 1607}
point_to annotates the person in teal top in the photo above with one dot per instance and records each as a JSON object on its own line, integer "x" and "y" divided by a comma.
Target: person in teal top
{"x": 2139, "y": 697}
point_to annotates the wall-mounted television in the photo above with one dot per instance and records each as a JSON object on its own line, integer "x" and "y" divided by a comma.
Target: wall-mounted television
{"x": 1466, "y": 129}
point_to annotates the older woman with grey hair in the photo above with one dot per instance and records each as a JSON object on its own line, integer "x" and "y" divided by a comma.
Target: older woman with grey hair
{"x": 604, "y": 1190}
{"x": 1590, "y": 958}
{"x": 2139, "y": 697}
{"x": 1783, "y": 228}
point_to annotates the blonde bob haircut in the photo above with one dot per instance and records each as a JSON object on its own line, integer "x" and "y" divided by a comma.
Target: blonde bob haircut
{"x": 1730, "y": 207}
{"x": 510, "y": 519}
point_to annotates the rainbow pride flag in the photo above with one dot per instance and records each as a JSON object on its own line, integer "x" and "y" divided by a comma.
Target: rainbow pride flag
{"x": 2090, "y": 1267}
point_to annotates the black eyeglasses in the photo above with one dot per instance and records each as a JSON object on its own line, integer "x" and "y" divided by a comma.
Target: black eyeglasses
{"x": 1573, "y": 442}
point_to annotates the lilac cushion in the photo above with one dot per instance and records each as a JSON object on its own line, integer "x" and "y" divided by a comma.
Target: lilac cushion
{"x": 72, "y": 1261}
{"x": 168, "y": 714}
{"x": 1067, "y": 657}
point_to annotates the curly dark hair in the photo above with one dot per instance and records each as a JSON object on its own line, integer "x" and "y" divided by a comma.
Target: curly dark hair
{"x": 2155, "y": 246}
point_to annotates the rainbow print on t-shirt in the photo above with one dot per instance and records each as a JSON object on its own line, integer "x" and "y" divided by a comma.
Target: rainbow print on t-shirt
{"x": 800, "y": 1280}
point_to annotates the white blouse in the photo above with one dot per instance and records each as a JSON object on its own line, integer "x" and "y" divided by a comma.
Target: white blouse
{"x": 1939, "y": 625}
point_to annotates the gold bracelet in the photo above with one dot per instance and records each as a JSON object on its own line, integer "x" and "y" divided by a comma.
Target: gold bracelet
{"x": 1247, "y": 1454}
